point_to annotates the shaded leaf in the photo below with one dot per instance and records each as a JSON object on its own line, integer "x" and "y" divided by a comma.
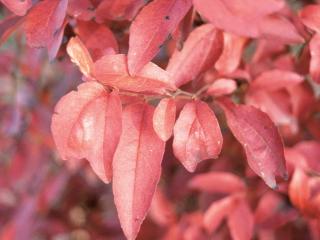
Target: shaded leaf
{"x": 314, "y": 66}
{"x": 241, "y": 222}
{"x": 91, "y": 34}
{"x": 136, "y": 167}
{"x": 276, "y": 79}
{"x": 310, "y": 16}
{"x": 218, "y": 211}
{"x": 151, "y": 28}
{"x": 18, "y": 7}
{"x": 217, "y": 182}
{"x": 118, "y": 10}
{"x": 44, "y": 22}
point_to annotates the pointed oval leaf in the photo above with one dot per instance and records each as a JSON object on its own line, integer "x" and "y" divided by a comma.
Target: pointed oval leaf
{"x": 249, "y": 18}
{"x": 44, "y": 21}
{"x": 164, "y": 118}
{"x": 310, "y": 16}
{"x": 197, "y": 135}
{"x": 276, "y": 79}
{"x": 201, "y": 50}
{"x": 217, "y": 211}
{"x": 18, "y": 7}
{"x": 233, "y": 16}
{"x": 151, "y": 28}
{"x": 80, "y": 56}
{"x": 87, "y": 124}
{"x": 112, "y": 70}
{"x": 241, "y": 222}
{"x": 136, "y": 167}
{"x": 260, "y": 139}
{"x": 232, "y": 52}
{"x": 118, "y": 10}
{"x": 91, "y": 34}
{"x": 299, "y": 191}
{"x": 314, "y": 66}
{"x": 217, "y": 182}
{"x": 222, "y": 86}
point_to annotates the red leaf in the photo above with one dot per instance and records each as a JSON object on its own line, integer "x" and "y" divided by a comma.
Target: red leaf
{"x": 222, "y": 86}
{"x": 279, "y": 28}
{"x": 200, "y": 51}
{"x": 310, "y": 16}
{"x": 18, "y": 7}
{"x": 260, "y": 138}
{"x": 80, "y": 56}
{"x": 197, "y": 135}
{"x": 217, "y": 212}
{"x": 112, "y": 70}
{"x": 232, "y": 52}
{"x": 91, "y": 34}
{"x": 276, "y": 79}
{"x": 164, "y": 118}
{"x": 299, "y": 191}
{"x": 87, "y": 124}
{"x": 249, "y": 18}
{"x": 151, "y": 28}
{"x": 7, "y": 26}
{"x": 136, "y": 167}
{"x": 233, "y": 16}
{"x": 314, "y": 67}
{"x": 44, "y": 21}
{"x": 118, "y": 9}
{"x": 81, "y": 9}
{"x": 241, "y": 222}
{"x": 217, "y": 182}
{"x": 162, "y": 210}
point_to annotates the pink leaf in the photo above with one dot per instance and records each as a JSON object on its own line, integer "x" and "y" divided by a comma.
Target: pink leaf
{"x": 249, "y": 18}
{"x": 7, "y": 26}
{"x": 18, "y": 7}
{"x": 87, "y": 124}
{"x": 217, "y": 212}
{"x": 80, "y": 56}
{"x": 232, "y": 52}
{"x": 91, "y": 34}
{"x": 217, "y": 182}
{"x": 241, "y": 222}
{"x": 197, "y": 135}
{"x": 222, "y": 86}
{"x": 276, "y": 79}
{"x": 241, "y": 18}
{"x": 44, "y": 21}
{"x": 314, "y": 67}
{"x": 310, "y": 16}
{"x": 164, "y": 118}
{"x": 151, "y": 28}
{"x": 136, "y": 167}
{"x": 260, "y": 138}
{"x": 200, "y": 51}
{"x": 299, "y": 190}
{"x": 118, "y": 9}
{"x": 112, "y": 70}
{"x": 81, "y": 9}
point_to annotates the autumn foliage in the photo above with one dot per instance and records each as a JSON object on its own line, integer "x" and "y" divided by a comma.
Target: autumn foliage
{"x": 177, "y": 119}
